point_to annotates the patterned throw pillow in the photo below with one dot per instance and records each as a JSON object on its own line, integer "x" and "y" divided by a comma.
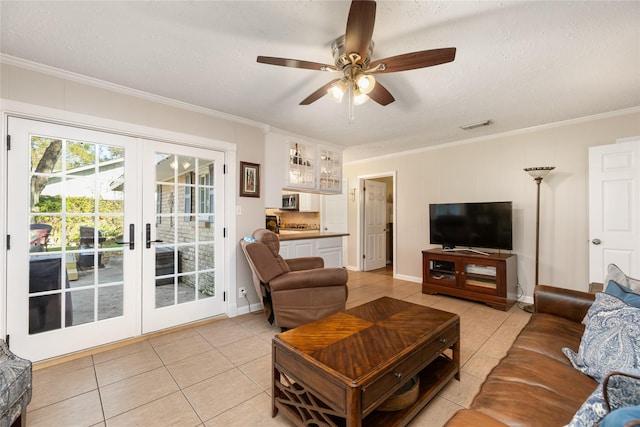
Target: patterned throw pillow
{"x": 592, "y": 410}
{"x": 623, "y": 391}
{"x": 610, "y": 339}
{"x": 614, "y": 273}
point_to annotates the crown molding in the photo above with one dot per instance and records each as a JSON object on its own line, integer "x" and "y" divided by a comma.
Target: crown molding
{"x": 500, "y": 135}
{"x": 90, "y": 81}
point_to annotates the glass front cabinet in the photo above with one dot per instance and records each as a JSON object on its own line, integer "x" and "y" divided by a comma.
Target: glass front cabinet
{"x": 302, "y": 165}
{"x": 486, "y": 278}
{"x": 330, "y": 169}
{"x": 313, "y": 167}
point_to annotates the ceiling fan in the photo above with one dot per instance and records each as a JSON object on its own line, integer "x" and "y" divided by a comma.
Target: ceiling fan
{"x": 352, "y": 55}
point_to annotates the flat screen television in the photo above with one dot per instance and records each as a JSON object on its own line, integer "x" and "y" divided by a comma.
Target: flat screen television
{"x": 472, "y": 225}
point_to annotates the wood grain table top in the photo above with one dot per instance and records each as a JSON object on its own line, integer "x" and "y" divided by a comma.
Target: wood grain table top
{"x": 359, "y": 342}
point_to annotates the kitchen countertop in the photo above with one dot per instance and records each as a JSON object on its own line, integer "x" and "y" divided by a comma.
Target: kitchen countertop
{"x": 309, "y": 235}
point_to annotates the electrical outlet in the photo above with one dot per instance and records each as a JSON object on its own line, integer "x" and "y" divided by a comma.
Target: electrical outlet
{"x": 242, "y": 292}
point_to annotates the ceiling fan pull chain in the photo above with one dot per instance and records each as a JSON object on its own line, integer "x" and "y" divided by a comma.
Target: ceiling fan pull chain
{"x": 352, "y": 107}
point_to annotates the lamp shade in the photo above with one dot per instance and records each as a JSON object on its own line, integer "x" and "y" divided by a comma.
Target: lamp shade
{"x": 539, "y": 171}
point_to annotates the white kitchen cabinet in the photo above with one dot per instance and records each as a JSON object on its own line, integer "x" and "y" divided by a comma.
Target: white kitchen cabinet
{"x": 303, "y": 165}
{"x": 330, "y": 161}
{"x": 297, "y": 248}
{"x": 285, "y": 250}
{"x": 309, "y": 202}
{"x": 303, "y": 248}
{"x": 334, "y": 211}
{"x": 314, "y": 169}
{"x": 329, "y": 248}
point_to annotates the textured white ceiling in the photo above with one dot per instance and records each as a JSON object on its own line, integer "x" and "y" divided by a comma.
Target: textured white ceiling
{"x": 518, "y": 63}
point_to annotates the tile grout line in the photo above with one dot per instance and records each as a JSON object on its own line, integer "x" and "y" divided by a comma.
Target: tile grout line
{"x": 95, "y": 373}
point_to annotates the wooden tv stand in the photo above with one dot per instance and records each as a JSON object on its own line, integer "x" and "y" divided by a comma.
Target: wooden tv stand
{"x": 491, "y": 279}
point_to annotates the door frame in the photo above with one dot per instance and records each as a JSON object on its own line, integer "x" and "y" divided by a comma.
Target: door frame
{"x": 9, "y": 108}
{"x": 360, "y": 217}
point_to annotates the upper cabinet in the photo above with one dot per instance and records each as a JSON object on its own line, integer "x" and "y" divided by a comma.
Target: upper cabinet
{"x": 298, "y": 165}
{"x": 303, "y": 165}
{"x": 314, "y": 167}
{"x": 309, "y": 202}
{"x": 330, "y": 169}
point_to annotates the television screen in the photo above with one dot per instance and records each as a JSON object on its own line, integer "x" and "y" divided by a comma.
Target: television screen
{"x": 479, "y": 225}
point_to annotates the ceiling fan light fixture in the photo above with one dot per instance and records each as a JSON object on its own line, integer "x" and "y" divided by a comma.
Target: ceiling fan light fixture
{"x": 352, "y": 54}
{"x": 337, "y": 90}
{"x": 365, "y": 83}
{"x": 359, "y": 97}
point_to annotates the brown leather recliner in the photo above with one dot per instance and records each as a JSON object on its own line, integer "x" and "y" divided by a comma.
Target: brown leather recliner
{"x": 294, "y": 291}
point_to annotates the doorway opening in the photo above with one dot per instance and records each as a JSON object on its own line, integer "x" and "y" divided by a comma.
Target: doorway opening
{"x": 376, "y": 218}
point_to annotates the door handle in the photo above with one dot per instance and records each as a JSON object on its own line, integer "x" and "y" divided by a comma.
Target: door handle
{"x": 148, "y": 235}
{"x": 132, "y": 238}
{"x": 596, "y": 241}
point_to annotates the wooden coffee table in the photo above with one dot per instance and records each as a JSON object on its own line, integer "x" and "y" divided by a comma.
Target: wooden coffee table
{"x": 336, "y": 371}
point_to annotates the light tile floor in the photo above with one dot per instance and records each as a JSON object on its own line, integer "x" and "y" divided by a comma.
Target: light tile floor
{"x": 218, "y": 374}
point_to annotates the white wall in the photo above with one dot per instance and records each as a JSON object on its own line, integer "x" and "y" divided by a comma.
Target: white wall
{"x": 492, "y": 170}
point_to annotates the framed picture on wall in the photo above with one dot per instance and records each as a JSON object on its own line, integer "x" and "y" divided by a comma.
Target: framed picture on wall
{"x": 249, "y": 179}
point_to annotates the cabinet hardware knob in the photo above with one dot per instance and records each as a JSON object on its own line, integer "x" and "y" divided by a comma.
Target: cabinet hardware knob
{"x": 443, "y": 340}
{"x": 398, "y": 375}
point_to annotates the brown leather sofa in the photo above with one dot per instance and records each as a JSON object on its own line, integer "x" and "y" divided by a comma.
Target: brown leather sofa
{"x": 294, "y": 291}
{"x": 535, "y": 384}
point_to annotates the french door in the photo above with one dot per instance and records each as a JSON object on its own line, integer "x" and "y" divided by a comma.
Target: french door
{"x": 109, "y": 237}
{"x": 183, "y": 232}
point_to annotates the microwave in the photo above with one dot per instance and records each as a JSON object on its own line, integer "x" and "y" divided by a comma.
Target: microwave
{"x": 290, "y": 202}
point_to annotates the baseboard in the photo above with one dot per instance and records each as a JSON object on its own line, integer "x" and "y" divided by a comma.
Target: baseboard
{"x": 408, "y": 278}
{"x": 246, "y": 309}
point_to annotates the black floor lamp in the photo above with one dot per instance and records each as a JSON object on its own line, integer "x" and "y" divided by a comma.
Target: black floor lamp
{"x": 537, "y": 173}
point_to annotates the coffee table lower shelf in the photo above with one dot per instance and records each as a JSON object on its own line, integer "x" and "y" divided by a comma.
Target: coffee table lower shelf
{"x": 432, "y": 379}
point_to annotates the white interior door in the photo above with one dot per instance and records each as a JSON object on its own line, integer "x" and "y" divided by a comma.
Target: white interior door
{"x": 70, "y": 285}
{"x": 375, "y": 202}
{"x": 614, "y": 209}
{"x": 183, "y": 251}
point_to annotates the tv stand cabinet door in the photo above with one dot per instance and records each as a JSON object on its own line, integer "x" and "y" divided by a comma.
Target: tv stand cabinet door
{"x": 486, "y": 277}
{"x": 441, "y": 270}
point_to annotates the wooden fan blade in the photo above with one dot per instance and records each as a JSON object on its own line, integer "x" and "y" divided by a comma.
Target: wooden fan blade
{"x": 295, "y": 63}
{"x": 381, "y": 95}
{"x": 318, "y": 93}
{"x": 362, "y": 17}
{"x": 411, "y": 61}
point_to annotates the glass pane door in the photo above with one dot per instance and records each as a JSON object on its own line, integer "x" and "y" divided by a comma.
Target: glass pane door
{"x": 183, "y": 232}
{"x": 68, "y": 213}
